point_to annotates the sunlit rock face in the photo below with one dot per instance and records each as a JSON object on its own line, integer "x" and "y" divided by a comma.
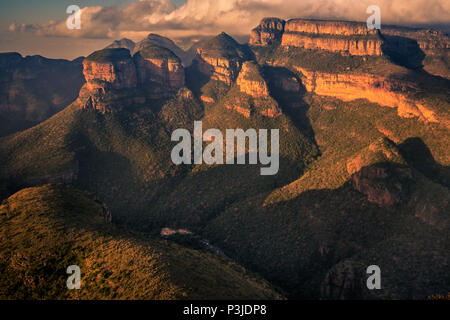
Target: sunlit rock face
{"x": 351, "y": 37}
{"x": 251, "y": 82}
{"x": 159, "y": 71}
{"x": 109, "y": 74}
{"x": 115, "y": 80}
{"x": 255, "y": 95}
{"x": 221, "y": 58}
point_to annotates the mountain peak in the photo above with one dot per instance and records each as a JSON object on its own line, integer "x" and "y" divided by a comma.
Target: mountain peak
{"x": 109, "y": 55}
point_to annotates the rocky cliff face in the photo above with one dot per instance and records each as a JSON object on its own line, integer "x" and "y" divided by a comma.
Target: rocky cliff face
{"x": 109, "y": 74}
{"x": 432, "y": 42}
{"x": 354, "y": 45}
{"x": 269, "y": 31}
{"x": 383, "y": 91}
{"x": 114, "y": 79}
{"x": 251, "y": 81}
{"x": 351, "y": 37}
{"x": 221, "y": 58}
{"x": 256, "y": 96}
{"x": 160, "y": 71}
{"x": 119, "y": 74}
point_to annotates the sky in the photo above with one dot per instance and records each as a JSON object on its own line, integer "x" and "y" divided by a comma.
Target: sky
{"x": 39, "y": 26}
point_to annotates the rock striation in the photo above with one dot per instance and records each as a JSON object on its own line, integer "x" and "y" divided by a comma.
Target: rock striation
{"x": 109, "y": 74}
{"x": 255, "y": 95}
{"x": 377, "y": 89}
{"x": 221, "y": 58}
{"x": 114, "y": 79}
{"x": 337, "y": 36}
{"x": 349, "y": 37}
{"x": 268, "y": 32}
{"x": 160, "y": 71}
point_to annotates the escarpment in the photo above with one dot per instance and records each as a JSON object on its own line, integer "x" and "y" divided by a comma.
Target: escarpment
{"x": 115, "y": 80}
{"x": 349, "y": 37}
{"x": 377, "y": 89}
{"x": 256, "y": 96}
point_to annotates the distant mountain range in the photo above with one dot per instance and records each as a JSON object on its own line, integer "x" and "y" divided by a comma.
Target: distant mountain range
{"x": 364, "y": 167}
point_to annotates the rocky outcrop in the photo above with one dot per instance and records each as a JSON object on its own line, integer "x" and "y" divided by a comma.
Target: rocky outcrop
{"x": 254, "y": 93}
{"x": 328, "y": 27}
{"x": 269, "y": 31}
{"x": 346, "y": 37}
{"x": 109, "y": 74}
{"x": 383, "y": 91}
{"x": 350, "y": 37}
{"x": 114, "y": 79}
{"x": 119, "y": 72}
{"x": 221, "y": 58}
{"x": 251, "y": 81}
{"x": 160, "y": 71}
{"x": 407, "y": 45}
{"x": 357, "y": 46}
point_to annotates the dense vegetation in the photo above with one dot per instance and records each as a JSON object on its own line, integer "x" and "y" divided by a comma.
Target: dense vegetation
{"x": 46, "y": 229}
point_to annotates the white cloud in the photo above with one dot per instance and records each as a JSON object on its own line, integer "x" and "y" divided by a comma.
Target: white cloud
{"x": 206, "y": 17}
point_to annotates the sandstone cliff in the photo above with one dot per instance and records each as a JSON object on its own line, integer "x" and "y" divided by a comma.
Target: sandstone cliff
{"x": 269, "y": 31}
{"x": 109, "y": 74}
{"x": 354, "y": 45}
{"x": 381, "y": 90}
{"x": 350, "y": 37}
{"x": 221, "y": 58}
{"x": 160, "y": 71}
{"x": 255, "y": 96}
{"x": 115, "y": 80}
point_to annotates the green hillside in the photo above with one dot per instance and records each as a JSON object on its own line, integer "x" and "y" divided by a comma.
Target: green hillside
{"x": 46, "y": 229}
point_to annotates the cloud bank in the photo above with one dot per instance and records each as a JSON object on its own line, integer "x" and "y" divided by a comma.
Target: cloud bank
{"x": 238, "y": 17}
